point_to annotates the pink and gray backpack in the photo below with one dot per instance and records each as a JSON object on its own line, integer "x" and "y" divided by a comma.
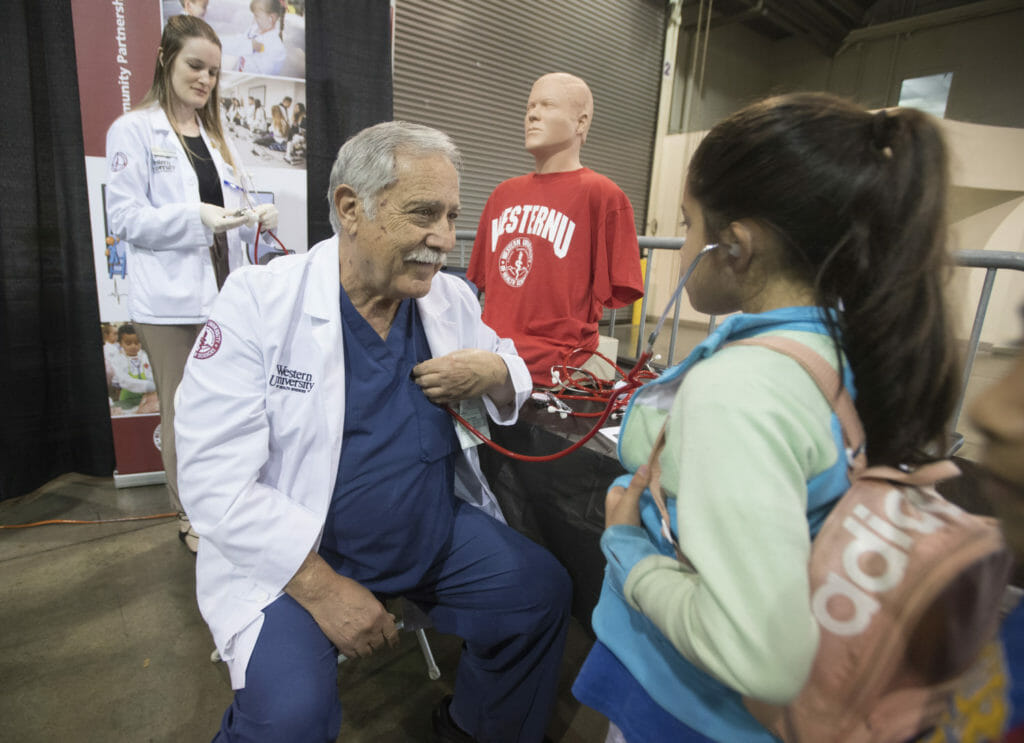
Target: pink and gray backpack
{"x": 906, "y": 588}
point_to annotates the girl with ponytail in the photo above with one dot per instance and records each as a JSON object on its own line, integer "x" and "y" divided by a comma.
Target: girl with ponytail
{"x": 261, "y": 50}
{"x": 826, "y": 225}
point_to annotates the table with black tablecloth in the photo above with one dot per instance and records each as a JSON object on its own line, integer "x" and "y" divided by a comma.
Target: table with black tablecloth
{"x": 558, "y": 504}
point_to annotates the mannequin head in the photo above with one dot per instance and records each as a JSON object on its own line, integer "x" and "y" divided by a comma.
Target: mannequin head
{"x": 558, "y": 116}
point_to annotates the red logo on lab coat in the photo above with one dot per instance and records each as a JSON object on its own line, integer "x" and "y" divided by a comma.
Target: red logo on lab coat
{"x": 209, "y": 340}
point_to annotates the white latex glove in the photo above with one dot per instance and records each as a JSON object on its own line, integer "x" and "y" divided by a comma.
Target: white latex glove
{"x": 266, "y": 215}
{"x": 219, "y": 219}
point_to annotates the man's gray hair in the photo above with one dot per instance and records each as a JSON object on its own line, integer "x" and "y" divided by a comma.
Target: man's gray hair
{"x": 367, "y": 163}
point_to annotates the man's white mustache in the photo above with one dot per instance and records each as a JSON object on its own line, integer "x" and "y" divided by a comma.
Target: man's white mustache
{"x": 427, "y": 255}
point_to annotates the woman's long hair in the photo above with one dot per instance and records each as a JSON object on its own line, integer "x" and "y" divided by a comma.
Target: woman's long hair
{"x": 178, "y": 30}
{"x": 859, "y": 201}
{"x": 278, "y": 121}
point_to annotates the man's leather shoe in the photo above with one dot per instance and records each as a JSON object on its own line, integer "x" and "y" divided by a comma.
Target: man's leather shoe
{"x": 445, "y": 729}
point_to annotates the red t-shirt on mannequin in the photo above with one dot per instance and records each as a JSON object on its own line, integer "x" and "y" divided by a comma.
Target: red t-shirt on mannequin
{"x": 551, "y": 251}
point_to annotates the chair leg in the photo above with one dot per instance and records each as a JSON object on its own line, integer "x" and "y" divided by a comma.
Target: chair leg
{"x": 433, "y": 672}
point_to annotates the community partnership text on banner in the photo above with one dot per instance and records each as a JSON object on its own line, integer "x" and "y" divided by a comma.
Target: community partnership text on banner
{"x": 123, "y": 74}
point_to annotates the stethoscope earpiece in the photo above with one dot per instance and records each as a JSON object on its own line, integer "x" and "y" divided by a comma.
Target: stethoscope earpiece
{"x": 679, "y": 290}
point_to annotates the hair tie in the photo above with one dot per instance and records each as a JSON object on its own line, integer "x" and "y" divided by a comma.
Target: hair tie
{"x": 881, "y": 131}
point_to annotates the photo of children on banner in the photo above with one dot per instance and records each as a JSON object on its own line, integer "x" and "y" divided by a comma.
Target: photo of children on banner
{"x": 196, "y": 8}
{"x": 110, "y": 349}
{"x": 266, "y": 135}
{"x": 263, "y": 37}
{"x": 129, "y": 373}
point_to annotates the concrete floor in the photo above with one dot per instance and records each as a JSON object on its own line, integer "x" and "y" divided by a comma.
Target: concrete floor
{"x": 102, "y": 640}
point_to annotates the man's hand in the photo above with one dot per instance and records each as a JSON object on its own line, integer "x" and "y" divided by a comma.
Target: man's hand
{"x": 464, "y": 374}
{"x": 350, "y": 615}
{"x": 622, "y": 505}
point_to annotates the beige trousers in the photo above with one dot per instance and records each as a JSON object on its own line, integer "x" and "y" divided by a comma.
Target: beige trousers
{"x": 168, "y": 347}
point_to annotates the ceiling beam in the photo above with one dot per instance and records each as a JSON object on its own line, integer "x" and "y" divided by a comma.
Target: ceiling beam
{"x": 930, "y": 20}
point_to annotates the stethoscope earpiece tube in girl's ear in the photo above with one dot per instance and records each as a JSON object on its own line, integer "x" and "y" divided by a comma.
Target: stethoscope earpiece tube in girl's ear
{"x": 677, "y": 293}
{"x": 621, "y": 391}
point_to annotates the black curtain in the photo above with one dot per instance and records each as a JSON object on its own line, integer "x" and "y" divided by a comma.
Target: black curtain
{"x": 54, "y": 416}
{"x": 348, "y": 88}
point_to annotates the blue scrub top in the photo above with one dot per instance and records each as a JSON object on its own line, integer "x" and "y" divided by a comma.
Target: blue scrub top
{"x": 393, "y": 505}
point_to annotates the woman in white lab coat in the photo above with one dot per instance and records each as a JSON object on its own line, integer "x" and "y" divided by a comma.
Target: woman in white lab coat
{"x": 174, "y": 196}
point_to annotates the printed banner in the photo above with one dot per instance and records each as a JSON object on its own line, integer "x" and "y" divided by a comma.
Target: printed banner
{"x": 263, "y": 109}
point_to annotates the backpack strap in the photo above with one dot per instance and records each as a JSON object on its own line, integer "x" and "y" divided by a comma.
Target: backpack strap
{"x": 654, "y": 486}
{"x": 831, "y": 386}
{"x": 838, "y": 396}
{"x": 828, "y": 381}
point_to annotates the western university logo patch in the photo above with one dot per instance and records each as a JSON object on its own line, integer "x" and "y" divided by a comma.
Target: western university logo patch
{"x": 209, "y": 340}
{"x": 515, "y": 261}
{"x": 292, "y": 380}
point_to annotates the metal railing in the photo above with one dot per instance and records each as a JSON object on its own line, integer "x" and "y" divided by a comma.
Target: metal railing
{"x": 464, "y": 246}
{"x": 990, "y": 260}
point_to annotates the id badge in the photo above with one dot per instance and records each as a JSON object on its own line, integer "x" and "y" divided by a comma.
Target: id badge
{"x": 163, "y": 161}
{"x": 476, "y": 415}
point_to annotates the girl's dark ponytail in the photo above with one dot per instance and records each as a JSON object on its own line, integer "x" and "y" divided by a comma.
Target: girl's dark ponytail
{"x": 859, "y": 201}
{"x": 895, "y": 324}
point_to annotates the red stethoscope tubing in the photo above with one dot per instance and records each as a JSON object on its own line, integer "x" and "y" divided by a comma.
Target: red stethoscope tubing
{"x": 632, "y": 382}
{"x": 252, "y": 205}
{"x": 256, "y": 246}
{"x": 600, "y": 389}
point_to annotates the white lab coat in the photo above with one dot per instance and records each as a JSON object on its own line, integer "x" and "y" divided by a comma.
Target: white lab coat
{"x": 153, "y": 202}
{"x": 259, "y": 427}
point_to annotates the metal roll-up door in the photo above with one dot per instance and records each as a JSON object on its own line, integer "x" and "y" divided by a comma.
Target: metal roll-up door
{"x": 467, "y": 68}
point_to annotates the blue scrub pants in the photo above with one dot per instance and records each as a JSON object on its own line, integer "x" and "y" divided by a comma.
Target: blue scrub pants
{"x": 507, "y": 597}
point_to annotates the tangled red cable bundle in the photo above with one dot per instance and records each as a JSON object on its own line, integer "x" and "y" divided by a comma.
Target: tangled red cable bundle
{"x": 615, "y": 395}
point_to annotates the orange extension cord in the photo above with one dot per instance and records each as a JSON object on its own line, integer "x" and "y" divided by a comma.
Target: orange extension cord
{"x": 99, "y": 521}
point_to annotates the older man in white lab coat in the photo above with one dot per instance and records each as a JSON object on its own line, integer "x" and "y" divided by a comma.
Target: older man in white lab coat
{"x": 323, "y": 473}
